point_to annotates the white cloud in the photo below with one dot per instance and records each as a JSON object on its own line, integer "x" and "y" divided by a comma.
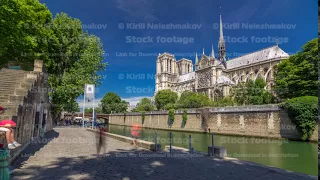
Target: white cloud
{"x": 134, "y": 100}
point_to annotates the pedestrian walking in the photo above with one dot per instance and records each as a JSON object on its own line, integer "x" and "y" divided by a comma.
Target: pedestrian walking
{"x": 135, "y": 132}
{"x": 101, "y": 144}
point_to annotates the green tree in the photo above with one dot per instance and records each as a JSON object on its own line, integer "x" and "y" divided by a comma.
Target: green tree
{"x": 226, "y": 101}
{"x": 252, "y": 93}
{"x": 67, "y": 44}
{"x": 144, "y": 104}
{"x": 77, "y": 58}
{"x": 165, "y": 97}
{"x": 90, "y": 110}
{"x": 111, "y": 102}
{"x": 171, "y": 117}
{"x": 190, "y": 99}
{"x": 298, "y": 75}
{"x": 72, "y": 106}
{"x": 24, "y": 31}
{"x": 303, "y": 112}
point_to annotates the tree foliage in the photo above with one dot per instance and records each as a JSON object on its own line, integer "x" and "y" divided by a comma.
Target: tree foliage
{"x": 145, "y": 104}
{"x": 184, "y": 118}
{"x": 71, "y": 106}
{"x": 90, "y": 110}
{"x": 76, "y": 59}
{"x": 298, "y": 75}
{"x": 190, "y": 99}
{"x": 171, "y": 117}
{"x": 165, "y": 97}
{"x": 111, "y": 102}
{"x": 23, "y": 27}
{"x": 252, "y": 93}
{"x": 226, "y": 101}
{"x": 142, "y": 117}
{"x": 169, "y": 106}
{"x": 72, "y": 57}
{"x": 303, "y": 112}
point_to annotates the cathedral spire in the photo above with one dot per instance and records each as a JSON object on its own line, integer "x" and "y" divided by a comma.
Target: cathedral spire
{"x": 221, "y": 31}
{"x": 221, "y": 44}
{"x": 212, "y": 53}
{"x": 202, "y": 50}
{"x": 196, "y": 58}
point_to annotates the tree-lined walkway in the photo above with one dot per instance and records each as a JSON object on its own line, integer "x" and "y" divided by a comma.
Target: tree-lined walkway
{"x": 71, "y": 156}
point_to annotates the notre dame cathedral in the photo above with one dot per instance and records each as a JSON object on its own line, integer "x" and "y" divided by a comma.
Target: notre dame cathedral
{"x": 215, "y": 76}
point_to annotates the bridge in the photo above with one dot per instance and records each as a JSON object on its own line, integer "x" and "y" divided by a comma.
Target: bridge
{"x": 87, "y": 115}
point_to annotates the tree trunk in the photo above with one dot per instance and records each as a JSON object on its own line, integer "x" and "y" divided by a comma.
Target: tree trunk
{"x": 72, "y": 115}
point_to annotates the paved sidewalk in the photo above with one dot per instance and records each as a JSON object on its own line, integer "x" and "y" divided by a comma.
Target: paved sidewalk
{"x": 70, "y": 156}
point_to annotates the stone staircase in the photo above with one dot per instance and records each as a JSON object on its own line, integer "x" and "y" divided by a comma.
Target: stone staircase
{"x": 27, "y": 105}
{"x": 14, "y": 87}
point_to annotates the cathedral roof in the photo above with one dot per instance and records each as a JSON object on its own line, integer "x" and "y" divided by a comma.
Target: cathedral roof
{"x": 224, "y": 80}
{"x": 186, "y": 77}
{"x": 258, "y": 56}
{"x": 183, "y": 59}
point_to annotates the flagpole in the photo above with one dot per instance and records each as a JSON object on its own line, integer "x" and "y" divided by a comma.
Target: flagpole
{"x": 93, "y": 108}
{"x": 84, "y": 104}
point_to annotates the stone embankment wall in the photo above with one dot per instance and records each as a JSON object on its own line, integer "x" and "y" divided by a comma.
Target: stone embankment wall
{"x": 268, "y": 121}
{"x": 25, "y": 94}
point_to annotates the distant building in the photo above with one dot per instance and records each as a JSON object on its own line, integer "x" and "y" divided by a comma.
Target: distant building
{"x": 130, "y": 107}
{"x": 215, "y": 76}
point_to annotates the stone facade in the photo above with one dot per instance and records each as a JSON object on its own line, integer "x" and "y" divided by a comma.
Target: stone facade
{"x": 215, "y": 76}
{"x": 257, "y": 121}
{"x": 25, "y": 94}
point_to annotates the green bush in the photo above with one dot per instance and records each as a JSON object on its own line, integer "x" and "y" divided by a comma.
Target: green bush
{"x": 142, "y": 117}
{"x": 165, "y": 97}
{"x": 303, "y": 112}
{"x": 252, "y": 93}
{"x": 184, "y": 117}
{"x": 171, "y": 117}
{"x": 227, "y": 101}
{"x": 190, "y": 99}
{"x": 169, "y": 106}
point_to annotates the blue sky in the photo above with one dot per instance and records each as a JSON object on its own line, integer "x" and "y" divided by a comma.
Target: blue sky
{"x": 131, "y": 68}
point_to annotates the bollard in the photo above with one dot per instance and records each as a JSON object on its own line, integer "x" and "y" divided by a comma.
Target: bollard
{"x": 212, "y": 144}
{"x": 156, "y": 141}
{"x": 190, "y": 147}
{"x": 170, "y": 142}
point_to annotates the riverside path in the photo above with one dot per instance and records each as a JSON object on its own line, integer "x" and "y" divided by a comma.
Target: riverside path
{"x": 69, "y": 154}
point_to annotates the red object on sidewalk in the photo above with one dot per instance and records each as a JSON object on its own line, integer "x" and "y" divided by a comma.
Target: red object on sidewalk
{"x": 7, "y": 123}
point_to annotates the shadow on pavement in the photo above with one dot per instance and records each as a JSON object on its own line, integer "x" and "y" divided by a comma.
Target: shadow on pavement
{"x": 33, "y": 147}
{"x": 144, "y": 164}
